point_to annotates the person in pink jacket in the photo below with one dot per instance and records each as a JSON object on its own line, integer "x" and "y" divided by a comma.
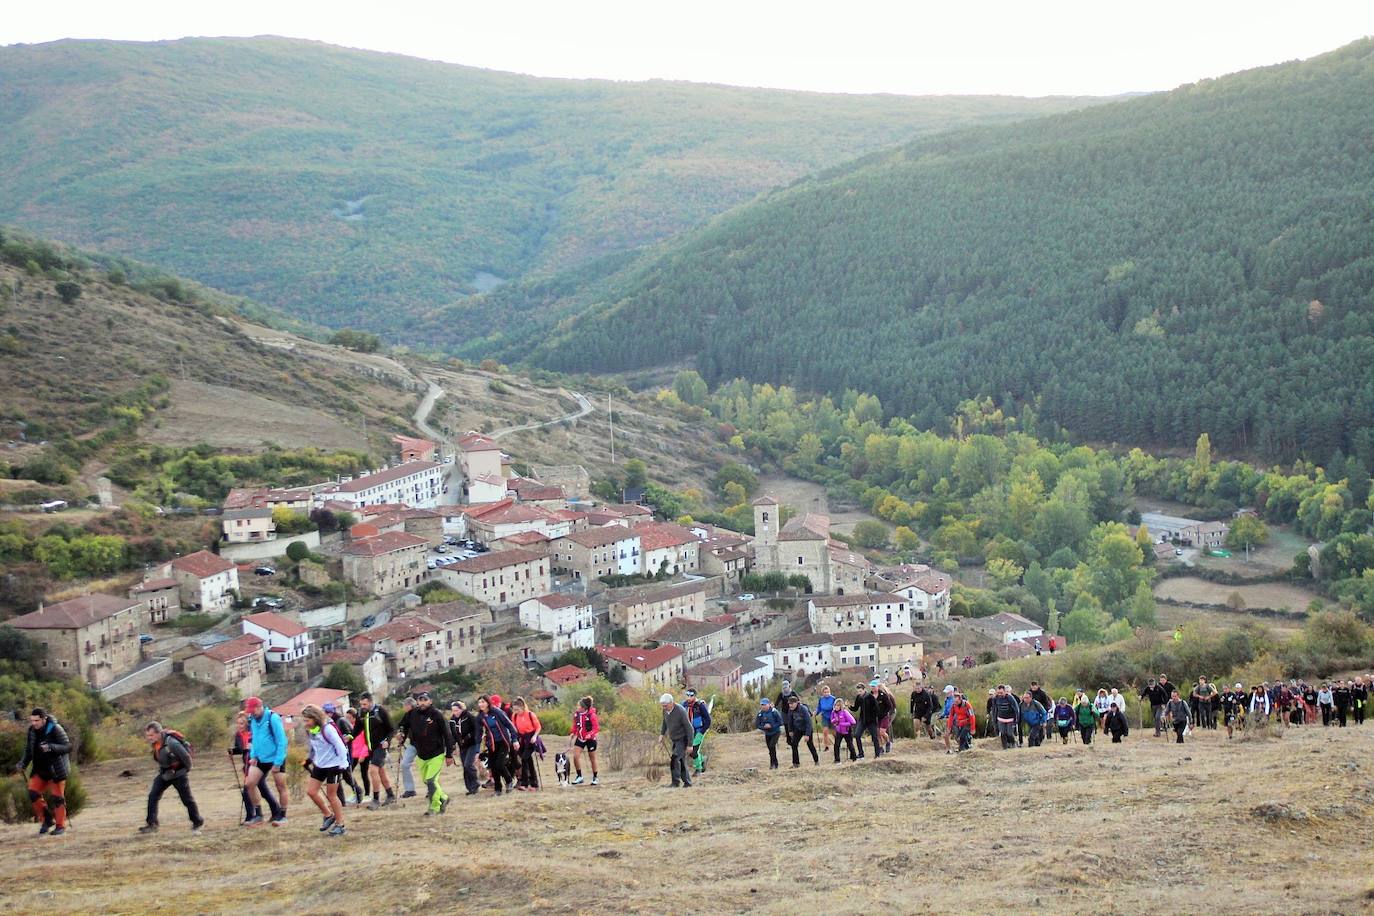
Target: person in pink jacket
{"x": 585, "y": 728}
{"x": 842, "y": 721}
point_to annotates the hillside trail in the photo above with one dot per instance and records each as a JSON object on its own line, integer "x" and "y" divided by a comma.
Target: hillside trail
{"x": 435, "y": 391}
{"x": 1144, "y": 826}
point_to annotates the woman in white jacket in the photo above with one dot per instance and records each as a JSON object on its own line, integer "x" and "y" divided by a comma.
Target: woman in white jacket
{"x": 1102, "y": 703}
{"x": 328, "y": 761}
{"x": 1259, "y": 705}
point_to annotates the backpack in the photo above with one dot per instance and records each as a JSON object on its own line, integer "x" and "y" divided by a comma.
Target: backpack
{"x": 185, "y": 742}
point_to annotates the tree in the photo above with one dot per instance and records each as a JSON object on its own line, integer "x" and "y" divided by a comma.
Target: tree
{"x": 1087, "y": 623}
{"x": 690, "y": 388}
{"x": 1235, "y": 601}
{"x": 297, "y": 551}
{"x": 68, "y": 291}
{"x": 736, "y": 473}
{"x": 636, "y": 474}
{"x": 1142, "y": 610}
{"x": 871, "y": 534}
{"x": 343, "y": 676}
{"x": 905, "y": 538}
{"x": 1003, "y": 572}
{"x": 1247, "y": 531}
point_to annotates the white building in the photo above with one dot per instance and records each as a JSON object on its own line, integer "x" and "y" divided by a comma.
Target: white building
{"x": 800, "y": 655}
{"x": 418, "y": 484}
{"x": 244, "y": 526}
{"x": 287, "y": 641}
{"x": 927, "y": 595}
{"x": 1008, "y": 627}
{"x": 854, "y": 650}
{"x": 207, "y": 581}
{"x": 855, "y": 613}
{"x": 568, "y": 620}
{"x": 754, "y": 672}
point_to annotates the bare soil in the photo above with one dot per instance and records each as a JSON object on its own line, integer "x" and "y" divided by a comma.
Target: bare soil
{"x": 1271, "y": 595}
{"x": 232, "y": 418}
{"x": 1110, "y": 828}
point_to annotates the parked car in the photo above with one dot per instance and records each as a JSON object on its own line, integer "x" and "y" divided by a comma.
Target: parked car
{"x": 441, "y": 549}
{"x": 145, "y": 639}
{"x": 431, "y": 563}
{"x": 368, "y": 621}
{"x": 747, "y": 596}
{"x": 481, "y": 548}
{"x": 266, "y": 571}
{"x": 1178, "y": 551}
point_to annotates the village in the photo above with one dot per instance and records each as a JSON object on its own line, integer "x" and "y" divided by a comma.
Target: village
{"x": 449, "y": 558}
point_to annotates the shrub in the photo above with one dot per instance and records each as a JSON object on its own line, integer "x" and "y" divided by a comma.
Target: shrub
{"x": 208, "y": 728}
{"x": 14, "y": 799}
{"x": 297, "y": 551}
{"x": 68, "y": 291}
{"x": 343, "y": 676}
{"x": 555, "y": 721}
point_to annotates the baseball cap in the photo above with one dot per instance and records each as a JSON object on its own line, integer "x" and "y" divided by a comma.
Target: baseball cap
{"x": 328, "y": 707}
{"x": 765, "y": 702}
{"x": 949, "y": 688}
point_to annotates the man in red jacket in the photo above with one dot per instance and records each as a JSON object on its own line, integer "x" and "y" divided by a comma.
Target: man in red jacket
{"x": 963, "y": 720}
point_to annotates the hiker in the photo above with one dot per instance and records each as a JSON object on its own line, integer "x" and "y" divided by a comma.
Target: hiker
{"x": 1155, "y": 694}
{"x": 1341, "y": 695}
{"x": 1043, "y": 698}
{"x": 874, "y": 708}
{"x": 825, "y": 705}
{"x": 1259, "y": 705}
{"x": 268, "y": 758}
{"x": 1232, "y": 708}
{"x": 963, "y": 721}
{"x": 408, "y": 752}
{"x": 769, "y": 721}
{"x": 1115, "y": 723}
{"x": 243, "y": 749}
{"x": 1101, "y": 702}
{"x": 944, "y": 716}
{"x": 1326, "y": 701}
{"x": 1359, "y": 696}
{"x": 358, "y": 755}
{"x": 1178, "y": 714}
{"x": 1203, "y": 692}
{"x": 1087, "y": 717}
{"x": 425, "y": 729}
{"x": 861, "y": 725}
{"x": 1006, "y": 712}
{"x": 922, "y": 708}
{"x": 374, "y": 724}
{"x": 700, "y": 714}
{"x": 889, "y": 710}
{"x": 1308, "y": 704}
{"x": 1283, "y": 704}
{"x": 1118, "y": 699}
{"x": 499, "y": 739}
{"x": 173, "y": 757}
{"x": 676, "y": 733}
{"x": 783, "y": 694}
{"x": 1053, "y": 644}
{"x": 585, "y": 727}
{"x": 527, "y": 728}
{"x": 796, "y": 722}
{"x": 462, "y": 725}
{"x": 48, "y": 749}
{"x": 1064, "y": 717}
{"x": 989, "y": 723}
{"x": 1033, "y": 715}
{"x": 842, "y": 721}
{"x": 326, "y": 763}
{"x": 345, "y": 730}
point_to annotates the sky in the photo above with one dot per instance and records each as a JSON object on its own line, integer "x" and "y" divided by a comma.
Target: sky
{"x": 1042, "y": 47}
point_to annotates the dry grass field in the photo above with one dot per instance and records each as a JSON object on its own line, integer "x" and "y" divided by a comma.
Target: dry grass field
{"x": 1246, "y": 826}
{"x": 241, "y": 420}
{"x": 1271, "y": 595}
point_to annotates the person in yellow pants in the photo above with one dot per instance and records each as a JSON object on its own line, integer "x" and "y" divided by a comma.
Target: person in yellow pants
{"x": 427, "y": 731}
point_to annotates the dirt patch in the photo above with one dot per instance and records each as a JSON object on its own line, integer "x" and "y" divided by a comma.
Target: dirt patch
{"x": 805, "y": 496}
{"x": 1269, "y": 595}
{"x": 232, "y": 418}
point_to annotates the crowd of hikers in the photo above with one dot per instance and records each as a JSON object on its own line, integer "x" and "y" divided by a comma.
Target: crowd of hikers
{"x": 499, "y": 745}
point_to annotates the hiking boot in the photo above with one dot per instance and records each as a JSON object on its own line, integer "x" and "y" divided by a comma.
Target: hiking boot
{"x": 596, "y": 781}
{"x": 148, "y": 828}
{"x": 58, "y": 831}
{"x": 195, "y": 828}
{"x": 254, "y": 821}
{"x": 443, "y": 805}
{"x": 327, "y": 823}
{"x": 407, "y": 794}
{"x": 47, "y": 825}
{"x": 374, "y": 804}
{"x": 279, "y": 821}
{"x": 390, "y": 800}
{"x": 357, "y": 798}
{"x": 337, "y": 830}
{"x": 578, "y": 780}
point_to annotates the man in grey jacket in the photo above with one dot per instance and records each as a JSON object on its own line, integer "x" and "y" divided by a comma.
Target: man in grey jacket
{"x": 677, "y": 733}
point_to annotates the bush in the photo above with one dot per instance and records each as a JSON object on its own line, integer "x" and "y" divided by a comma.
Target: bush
{"x": 297, "y": 551}
{"x": 14, "y": 799}
{"x": 556, "y": 722}
{"x": 343, "y": 676}
{"x": 208, "y": 728}
{"x": 68, "y": 291}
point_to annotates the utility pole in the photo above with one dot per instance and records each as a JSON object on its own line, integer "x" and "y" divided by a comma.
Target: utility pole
{"x": 610, "y": 415}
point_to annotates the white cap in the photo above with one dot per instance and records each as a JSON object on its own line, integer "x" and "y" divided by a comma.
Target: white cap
{"x": 666, "y": 698}
{"x": 949, "y": 688}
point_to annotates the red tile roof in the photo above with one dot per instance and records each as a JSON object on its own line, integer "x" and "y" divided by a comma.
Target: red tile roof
{"x": 154, "y": 585}
{"x": 346, "y": 656}
{"x": 660, "y": 535}
{"x": 568, "y": 674}
{"x": 476, "y": 442}
{"x": 497, "y": 559}
{"x": 389, "y": 542}
{"x": 480, "y": 509}
{"x": 640, "y": 659}
{"x": 276, "y": 623}
{"x": 225, "y": 652}
{"x": 401, "y": 629}
{"x": 73, "y": 613}
{"x": 556, "y": 601}
{"x": 592, "y": 538}
{"x": 527, "y": 537}
{"x": 897, "y": 639}
{"x": 716, "y": 667}
{"x": 315, "y": 696}
{"x": 807, "y": 527}
{"x": 856, "y": 600}
{"x": 367, "y": 481}
{"x": 202, "y": 564}
{"x": 680, "y": 630}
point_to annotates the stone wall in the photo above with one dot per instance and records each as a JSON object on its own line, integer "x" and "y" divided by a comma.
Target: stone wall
{"x": 150, "y": 673}
{"x": 266, "y": 550}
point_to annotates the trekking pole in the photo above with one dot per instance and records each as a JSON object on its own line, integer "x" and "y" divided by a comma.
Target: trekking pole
{"x": 238, "y": 777}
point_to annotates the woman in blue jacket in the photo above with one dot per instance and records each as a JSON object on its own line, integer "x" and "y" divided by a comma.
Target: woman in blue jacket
{"x": 1033, "y": 714}
{"x": 500, "y": 739}
{"x": 769, "y": 721}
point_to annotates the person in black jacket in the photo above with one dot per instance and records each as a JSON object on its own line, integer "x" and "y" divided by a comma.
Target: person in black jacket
{"x": 1341, "y": 695}
{"x": 860, "y": 726}
{"x": 923, "y": 706}
{"x": 463, "y": 726}
{"x": 796, "y": 722}
{"x": 428, "y": 732}
{"x": 1005, "y": 712}
{"x": 173, "y": 759}
{"x": 872, "y": 705}
{"x": 1157, "y": 694}
{"x": 375, "y": 724}
{"x": 47, "y": 747}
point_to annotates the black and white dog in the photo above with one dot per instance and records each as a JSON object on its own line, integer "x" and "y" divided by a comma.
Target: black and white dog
{"x": 560, "y": 768}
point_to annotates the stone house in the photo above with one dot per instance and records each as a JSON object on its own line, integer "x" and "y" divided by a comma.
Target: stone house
{"x": 161, "y": 598}
{"x": 661, "y": 667}
{"x": 699, "y": 640}
{"x": 386, "y": 563}
{"x": 641, "y": 611}
{"x": 501, "y": 578}
{"x": 856, "y": 612}
{"x": 238, "y": 664}
{"x": 92, "y": 638}
{"x": 207, "y": 581}
{"x": 592, "y": 553}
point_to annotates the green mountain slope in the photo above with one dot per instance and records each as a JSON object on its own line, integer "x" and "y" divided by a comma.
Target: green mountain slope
{"x": 350, "y": 187}
{"x": 1200, "y": 260}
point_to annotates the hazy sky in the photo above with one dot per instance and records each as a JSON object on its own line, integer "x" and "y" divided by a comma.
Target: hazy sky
{"x": 1033, "y": 47}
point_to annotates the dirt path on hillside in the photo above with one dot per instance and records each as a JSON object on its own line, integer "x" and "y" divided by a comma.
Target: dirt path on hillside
{"x": 1131, "y": 828}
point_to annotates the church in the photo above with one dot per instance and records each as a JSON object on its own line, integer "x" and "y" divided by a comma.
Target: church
{"x": 804, "y": 546}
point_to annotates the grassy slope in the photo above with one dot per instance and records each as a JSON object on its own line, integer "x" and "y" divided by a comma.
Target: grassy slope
{"x": 234, "y": 161}
{"x": 1022, "y": 260}
{"x": 1146, "y": 826}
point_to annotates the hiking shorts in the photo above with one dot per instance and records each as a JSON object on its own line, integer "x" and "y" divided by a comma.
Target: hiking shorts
{"x": 885, "y": 723}
{"x": 589, "y": 745}
{"x": 330, "y": 776}
{"x": 265, "y": 767}
{"x": 378, "y": 757}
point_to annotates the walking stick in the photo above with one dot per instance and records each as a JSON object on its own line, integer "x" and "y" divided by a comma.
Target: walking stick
{"x": 238, "y": 777}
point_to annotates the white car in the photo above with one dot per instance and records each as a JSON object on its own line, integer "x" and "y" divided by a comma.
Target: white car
{"x": 747, "y": 596}
{"x": 431, "y": 562}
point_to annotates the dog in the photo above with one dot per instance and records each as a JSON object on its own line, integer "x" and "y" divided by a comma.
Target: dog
{"x": 560, "y": 769}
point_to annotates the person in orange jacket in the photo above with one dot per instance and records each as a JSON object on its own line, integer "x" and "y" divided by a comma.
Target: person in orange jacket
{"x": 963, "y": 721}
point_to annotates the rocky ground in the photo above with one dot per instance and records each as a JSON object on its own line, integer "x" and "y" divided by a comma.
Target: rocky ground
{"x": 1275, "y": 824}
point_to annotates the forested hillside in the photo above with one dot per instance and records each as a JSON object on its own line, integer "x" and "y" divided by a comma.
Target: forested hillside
{"x": 356, "y": 188}
{"x": 1195, "y": 261}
